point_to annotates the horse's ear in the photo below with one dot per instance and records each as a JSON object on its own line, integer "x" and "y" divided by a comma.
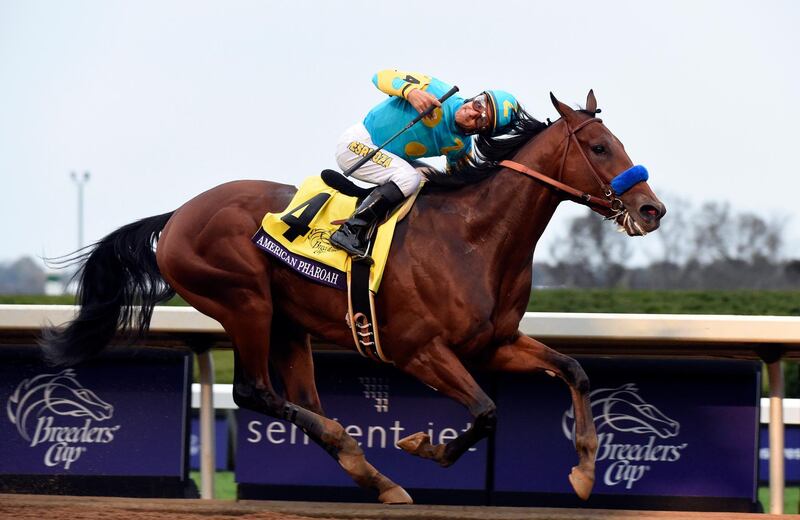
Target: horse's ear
{"x": 565, "y": 111}
{"x": 591, "y": 102}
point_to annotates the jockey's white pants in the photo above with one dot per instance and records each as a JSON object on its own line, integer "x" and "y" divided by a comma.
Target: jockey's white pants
{"x": 356, "y": 143}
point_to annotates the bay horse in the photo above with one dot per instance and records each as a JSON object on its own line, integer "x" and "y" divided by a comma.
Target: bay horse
{"x": 452, "y": 296}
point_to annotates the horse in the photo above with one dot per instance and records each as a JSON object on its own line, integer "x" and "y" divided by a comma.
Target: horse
{"x": 451, "y": 299}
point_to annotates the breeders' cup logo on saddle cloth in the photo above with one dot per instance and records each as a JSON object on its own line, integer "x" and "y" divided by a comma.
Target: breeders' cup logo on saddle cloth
{"x": 37, "y": 406}
{"x": 621, "y": 412}
{"x": 320, "y": 241}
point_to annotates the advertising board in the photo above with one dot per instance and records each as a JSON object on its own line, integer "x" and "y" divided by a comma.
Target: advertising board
{"x": 124, "y": 414}
{"x": 221, "y": 428}
{"x": 672, "y": 434}
{"x": 791, "y": 454}
{"x": 666, "y": 428}
{"x": 377, "y": 405}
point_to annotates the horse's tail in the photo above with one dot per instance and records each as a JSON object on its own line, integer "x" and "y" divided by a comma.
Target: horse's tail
{"x": 119, "y": 283}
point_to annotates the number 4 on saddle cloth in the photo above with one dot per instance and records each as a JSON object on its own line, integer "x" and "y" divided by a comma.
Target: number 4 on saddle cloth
{"x": 300, "y": 238}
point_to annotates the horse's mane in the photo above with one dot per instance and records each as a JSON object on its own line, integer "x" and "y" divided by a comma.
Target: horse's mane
{"x": 488, "y": 150}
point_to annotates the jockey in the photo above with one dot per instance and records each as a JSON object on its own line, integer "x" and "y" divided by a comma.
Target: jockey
{"x": 447, "y": 131}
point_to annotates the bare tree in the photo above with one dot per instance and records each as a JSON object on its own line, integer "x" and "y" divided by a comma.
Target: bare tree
{"x": 720, "y": 234}
{"x": 711, "y": 226}
{"x": 711, "y": 247}
{"x": 594, "y": 250}
{"x": 674, "y": 233}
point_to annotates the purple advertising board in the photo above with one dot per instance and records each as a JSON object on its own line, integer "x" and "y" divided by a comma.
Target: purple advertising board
{"x": 220, "y": 443}
{"x": 666, "y": 428}
{"x": 123, "y": 414}
{"x": 377, "y": 405}
{"x": 791, "y": 454}
{"x": 672, "y": 434}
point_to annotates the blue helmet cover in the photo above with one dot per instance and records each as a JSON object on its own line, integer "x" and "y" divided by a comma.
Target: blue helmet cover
{"x": 505, "y": 108}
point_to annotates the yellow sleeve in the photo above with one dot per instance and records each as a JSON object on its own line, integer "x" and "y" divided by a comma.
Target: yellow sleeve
{"x": 399, "y": 83}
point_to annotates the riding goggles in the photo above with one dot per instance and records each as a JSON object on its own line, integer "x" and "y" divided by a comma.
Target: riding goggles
{"x": 481, "y": 105}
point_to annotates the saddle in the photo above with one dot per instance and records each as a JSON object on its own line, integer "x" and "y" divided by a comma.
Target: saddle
{"x": 299, "y": 238}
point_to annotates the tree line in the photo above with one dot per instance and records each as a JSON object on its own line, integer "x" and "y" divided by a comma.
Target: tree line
{"x": 712, "y": 246}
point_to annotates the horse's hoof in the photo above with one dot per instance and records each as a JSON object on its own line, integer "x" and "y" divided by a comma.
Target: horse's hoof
{"x": 395, "y": 495}
{"x": 582, "y": 482}
{"x": 412, "y": 443}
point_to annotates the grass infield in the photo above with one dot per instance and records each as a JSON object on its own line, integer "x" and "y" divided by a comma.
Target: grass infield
{"x": 757, "y": 303}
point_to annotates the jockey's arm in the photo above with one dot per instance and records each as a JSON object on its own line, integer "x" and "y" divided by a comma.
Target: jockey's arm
{"x": 410, "y": 86}
{"x": 458, "y": 158}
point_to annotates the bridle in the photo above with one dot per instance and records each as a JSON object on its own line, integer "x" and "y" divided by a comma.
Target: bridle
{"x": 610, "y": 202}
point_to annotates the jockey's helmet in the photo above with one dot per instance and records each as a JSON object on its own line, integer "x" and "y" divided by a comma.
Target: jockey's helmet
{"x": 504, "y": 109}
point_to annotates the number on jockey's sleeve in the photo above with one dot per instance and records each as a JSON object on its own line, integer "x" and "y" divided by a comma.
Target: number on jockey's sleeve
{"x": 457, "y": 155}
{"x": 399, "y": 83}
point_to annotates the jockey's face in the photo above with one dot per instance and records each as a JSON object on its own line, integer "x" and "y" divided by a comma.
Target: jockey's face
{"x": 474, "y": 115}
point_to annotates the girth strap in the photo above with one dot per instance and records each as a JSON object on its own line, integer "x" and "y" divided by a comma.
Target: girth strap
{"x": 584, "y": 197}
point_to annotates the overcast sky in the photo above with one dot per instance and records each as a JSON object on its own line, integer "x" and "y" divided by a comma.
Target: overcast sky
{"x": 161, "y": 100}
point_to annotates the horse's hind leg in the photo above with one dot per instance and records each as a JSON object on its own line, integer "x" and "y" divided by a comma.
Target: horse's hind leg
{"x": 253, "y": 390}
{"x": 528, "y": 355}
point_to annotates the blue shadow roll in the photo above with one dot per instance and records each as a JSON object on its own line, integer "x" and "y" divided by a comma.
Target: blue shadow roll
{"x": 629, "y": 178}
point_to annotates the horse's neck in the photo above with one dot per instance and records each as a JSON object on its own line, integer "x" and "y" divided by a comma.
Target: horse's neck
{"x": 515, "y": 209}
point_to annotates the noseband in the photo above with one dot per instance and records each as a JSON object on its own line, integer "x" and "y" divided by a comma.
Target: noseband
{"x": 610, "y": 202}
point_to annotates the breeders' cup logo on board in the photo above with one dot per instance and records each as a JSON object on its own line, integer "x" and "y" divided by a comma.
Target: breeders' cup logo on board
{"x": 40, "y": 403}
{"x": 622, "y": 412}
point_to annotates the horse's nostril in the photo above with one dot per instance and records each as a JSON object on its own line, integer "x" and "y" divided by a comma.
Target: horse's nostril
{"x": 650, "y": 212}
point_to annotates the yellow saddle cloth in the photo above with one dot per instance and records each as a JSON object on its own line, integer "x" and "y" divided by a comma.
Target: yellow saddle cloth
{"x": 300, "y": 236}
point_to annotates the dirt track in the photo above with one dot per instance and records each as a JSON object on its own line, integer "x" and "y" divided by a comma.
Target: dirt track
{"x": 44, "y": 507}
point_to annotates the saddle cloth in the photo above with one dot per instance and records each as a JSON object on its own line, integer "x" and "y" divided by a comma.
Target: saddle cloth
{"x": 300, "y": 236}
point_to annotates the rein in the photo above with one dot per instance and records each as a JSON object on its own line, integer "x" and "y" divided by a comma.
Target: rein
{"x": 610, "y": 202}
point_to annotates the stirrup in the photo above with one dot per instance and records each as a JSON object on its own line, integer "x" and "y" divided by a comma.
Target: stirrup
{"x": 352, "y": 251}
{"x": 365, "y": 259}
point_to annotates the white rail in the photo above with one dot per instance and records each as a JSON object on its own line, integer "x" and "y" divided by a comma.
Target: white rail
{"x": 663, "y": 328}
{"x": 594, "y": 327}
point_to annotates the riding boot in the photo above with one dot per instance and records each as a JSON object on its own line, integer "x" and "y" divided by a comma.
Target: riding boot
{"x": 352, "y": 236}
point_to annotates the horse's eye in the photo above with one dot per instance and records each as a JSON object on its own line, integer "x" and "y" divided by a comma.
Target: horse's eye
{"x": 599, "y": 149}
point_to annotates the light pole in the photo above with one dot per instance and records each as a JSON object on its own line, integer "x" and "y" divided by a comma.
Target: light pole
{"x": 80, "y": 181}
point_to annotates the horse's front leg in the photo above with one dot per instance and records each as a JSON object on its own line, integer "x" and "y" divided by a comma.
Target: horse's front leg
{"x": 438, "y": 367}
{"x": 528, "y": 355}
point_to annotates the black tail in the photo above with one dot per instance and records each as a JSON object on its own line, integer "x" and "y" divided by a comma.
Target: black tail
{"x": 119, "y": 272}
